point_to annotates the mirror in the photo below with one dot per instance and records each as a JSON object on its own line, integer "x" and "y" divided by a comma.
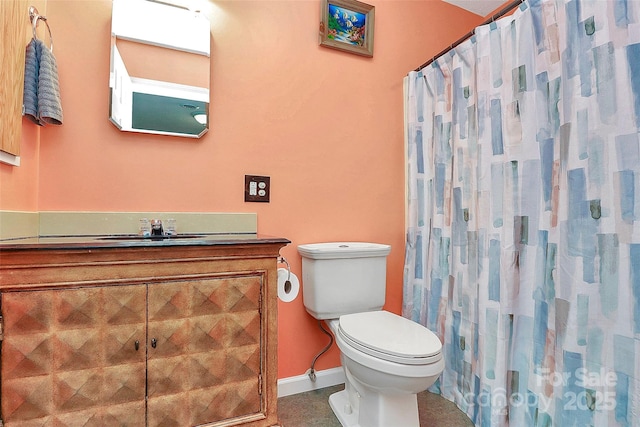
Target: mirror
{"x": 159, "y": 70}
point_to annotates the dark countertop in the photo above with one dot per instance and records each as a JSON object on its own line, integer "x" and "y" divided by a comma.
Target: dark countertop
{"x": 130, "y": 241}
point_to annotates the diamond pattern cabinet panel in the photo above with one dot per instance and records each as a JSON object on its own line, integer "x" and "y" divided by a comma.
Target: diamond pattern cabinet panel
{"x": 69, "y": 357}
{"x": 207, "y": 358}
{"x": 73, "y": 312}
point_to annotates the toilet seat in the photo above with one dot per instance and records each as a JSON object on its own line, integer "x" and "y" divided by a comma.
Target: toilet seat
{"x": 390, "y": 337}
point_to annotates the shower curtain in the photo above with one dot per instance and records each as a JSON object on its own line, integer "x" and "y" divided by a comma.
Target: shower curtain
{"x": 523, "y": 215}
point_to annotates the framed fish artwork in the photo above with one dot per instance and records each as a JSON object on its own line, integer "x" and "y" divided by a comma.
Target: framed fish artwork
{"x": 347, "y": 25}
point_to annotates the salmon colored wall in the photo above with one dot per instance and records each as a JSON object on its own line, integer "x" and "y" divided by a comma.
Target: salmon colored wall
{"x": 325, "y": 125}
{"x": 19, "y": 185}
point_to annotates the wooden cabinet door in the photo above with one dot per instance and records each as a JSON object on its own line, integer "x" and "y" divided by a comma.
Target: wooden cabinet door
{"x": 69, "y": 357}
{"x": 204, "y": 351}
{"x": 14, "y": 23}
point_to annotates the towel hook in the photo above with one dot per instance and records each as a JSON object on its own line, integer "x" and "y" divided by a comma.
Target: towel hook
{"x": 34, "y": 16}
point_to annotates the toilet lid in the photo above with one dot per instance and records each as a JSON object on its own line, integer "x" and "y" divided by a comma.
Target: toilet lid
{"x": 390, "y": 337}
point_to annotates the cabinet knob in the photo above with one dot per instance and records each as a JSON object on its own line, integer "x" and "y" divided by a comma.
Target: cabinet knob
{"x": 137, "y": 345}
{"x": 154, "y": 342}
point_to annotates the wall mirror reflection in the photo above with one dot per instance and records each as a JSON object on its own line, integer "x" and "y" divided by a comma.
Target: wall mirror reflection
{"x": 159, "y": 70}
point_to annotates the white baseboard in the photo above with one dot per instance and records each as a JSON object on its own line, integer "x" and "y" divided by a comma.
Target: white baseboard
{"x": 302, "y": 383}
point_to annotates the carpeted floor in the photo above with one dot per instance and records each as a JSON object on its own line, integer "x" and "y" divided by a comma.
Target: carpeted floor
{"x": 311, "y": 409}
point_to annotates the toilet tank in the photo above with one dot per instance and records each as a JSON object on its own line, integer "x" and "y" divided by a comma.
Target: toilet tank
{"x": 343, "y": 277}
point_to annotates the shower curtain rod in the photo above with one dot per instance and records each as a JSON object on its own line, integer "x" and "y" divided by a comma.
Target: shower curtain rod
{"x": 508, "y": 8}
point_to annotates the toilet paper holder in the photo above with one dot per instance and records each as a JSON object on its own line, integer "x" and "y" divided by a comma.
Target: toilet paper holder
{"x": 287, "y": 283}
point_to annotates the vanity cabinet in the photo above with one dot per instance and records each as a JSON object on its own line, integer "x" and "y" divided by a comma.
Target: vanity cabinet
{"x": 165, "y": 335}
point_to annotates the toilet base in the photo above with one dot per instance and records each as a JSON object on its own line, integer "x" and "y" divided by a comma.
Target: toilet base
{"x": 378, "y": 410}
{"x": 342, "y": 409}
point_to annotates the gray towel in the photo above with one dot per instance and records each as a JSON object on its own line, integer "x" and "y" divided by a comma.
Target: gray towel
{"x": 30, "y": 93}
{"x": 41, "y": 98}
{"x": 49, "y": 105}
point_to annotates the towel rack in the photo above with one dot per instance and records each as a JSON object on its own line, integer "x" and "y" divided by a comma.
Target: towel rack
{"x": 34, "y": 17}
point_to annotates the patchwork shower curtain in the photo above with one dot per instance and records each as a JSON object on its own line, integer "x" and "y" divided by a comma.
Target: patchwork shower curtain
{"x": 523, "y": 213}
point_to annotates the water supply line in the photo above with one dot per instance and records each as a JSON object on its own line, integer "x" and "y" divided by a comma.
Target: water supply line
{"x": 312, "y": 372}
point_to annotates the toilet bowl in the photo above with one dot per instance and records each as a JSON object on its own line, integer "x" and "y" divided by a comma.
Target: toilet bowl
{"x": 387, "y": 360}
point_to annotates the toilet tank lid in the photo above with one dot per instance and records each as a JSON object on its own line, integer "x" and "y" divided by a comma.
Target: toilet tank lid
{"x": 331, "y": 250}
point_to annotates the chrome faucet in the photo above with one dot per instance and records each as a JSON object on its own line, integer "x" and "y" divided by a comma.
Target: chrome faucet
{"x": 156, "y": 227}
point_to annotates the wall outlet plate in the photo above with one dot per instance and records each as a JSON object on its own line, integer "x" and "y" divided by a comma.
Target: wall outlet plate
{"x": 256, "y": 188}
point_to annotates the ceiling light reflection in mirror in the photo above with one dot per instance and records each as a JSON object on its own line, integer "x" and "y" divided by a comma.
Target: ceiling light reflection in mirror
{"x": 160, "y": 61}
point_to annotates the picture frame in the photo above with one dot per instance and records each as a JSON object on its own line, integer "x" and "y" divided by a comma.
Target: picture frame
{"x": 347, "y": 25}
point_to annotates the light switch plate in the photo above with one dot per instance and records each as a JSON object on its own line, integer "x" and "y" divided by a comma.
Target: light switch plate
{"x": 256, "y": 188}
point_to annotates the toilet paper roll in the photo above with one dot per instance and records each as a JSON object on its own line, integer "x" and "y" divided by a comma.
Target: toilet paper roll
{"x": 287, "y": 292}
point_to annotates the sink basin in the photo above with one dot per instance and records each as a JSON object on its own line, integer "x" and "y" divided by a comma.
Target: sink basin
{"x": 154, "y": 238}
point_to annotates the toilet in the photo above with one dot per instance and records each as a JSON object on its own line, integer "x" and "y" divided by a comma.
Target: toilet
{"x": 387, "y": 359}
